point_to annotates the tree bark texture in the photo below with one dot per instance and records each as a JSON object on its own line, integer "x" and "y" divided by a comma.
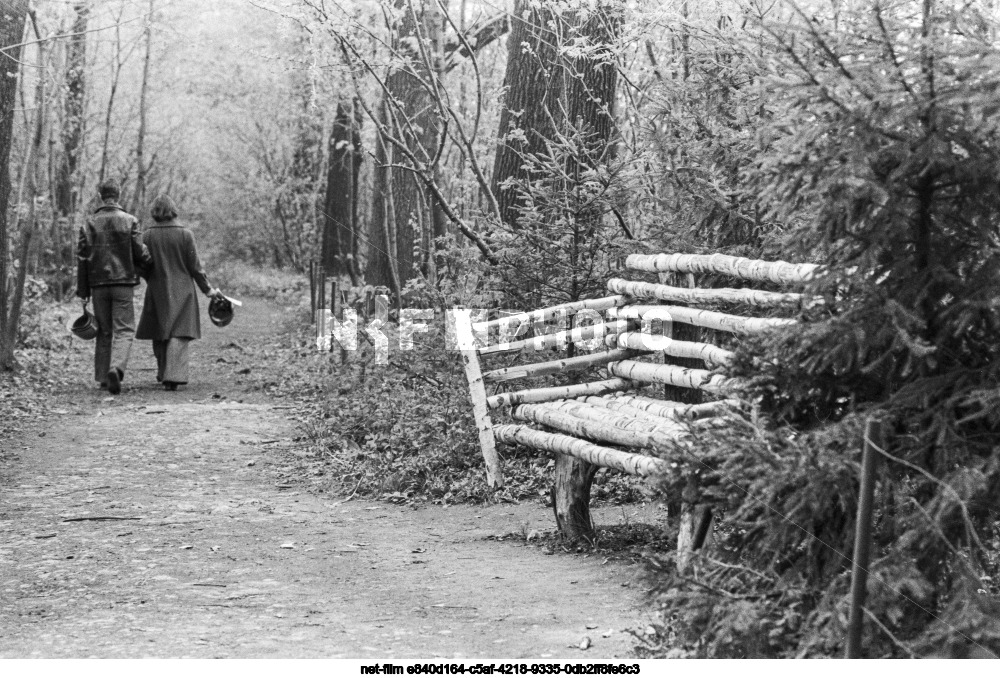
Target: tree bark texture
{"x": 547, "y": 91}
{"x": 339, "y": 226}
{"x": 533, "y": 87}
{"x": 140, "y": 145}
{"x": 72, "y": 135}
{"x": 405, "y": 216}
{"x": 13, "y": 15}
{"x": 593, "y": 81}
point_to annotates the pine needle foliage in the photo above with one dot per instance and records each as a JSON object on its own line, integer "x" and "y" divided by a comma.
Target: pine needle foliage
{"x": 570, "y": 236}
{"x": 881, "y": 162}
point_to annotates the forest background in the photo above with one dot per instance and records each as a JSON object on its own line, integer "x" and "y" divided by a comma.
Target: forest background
{"x": 510, "y": 154}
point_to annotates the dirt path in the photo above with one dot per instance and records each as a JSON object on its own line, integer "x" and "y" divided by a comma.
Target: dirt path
{"x": 159, "y": 524}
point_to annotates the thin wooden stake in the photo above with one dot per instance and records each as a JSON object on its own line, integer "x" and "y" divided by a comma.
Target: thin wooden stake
{"x": 873, "y": 444}
{"x": 321, "y": 287}
{"x": 312, "y": 290}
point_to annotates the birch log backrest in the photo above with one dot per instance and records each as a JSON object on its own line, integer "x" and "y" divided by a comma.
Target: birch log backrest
{"x": 616, "y": 420}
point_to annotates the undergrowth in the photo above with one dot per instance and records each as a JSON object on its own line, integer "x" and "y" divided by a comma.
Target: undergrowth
{"x": 404, "y": 431}
{"x": 237, "y": 278}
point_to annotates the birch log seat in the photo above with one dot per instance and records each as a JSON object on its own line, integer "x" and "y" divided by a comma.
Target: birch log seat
{"x": 653, "y": 384}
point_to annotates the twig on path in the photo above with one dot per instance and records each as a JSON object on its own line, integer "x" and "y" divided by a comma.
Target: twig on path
{"x": 354, "y": 492}
{"x": 218, "y": 585}
{"x": 80, "y": 520}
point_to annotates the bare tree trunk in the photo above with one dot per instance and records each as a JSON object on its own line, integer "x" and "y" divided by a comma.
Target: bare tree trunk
{"x": 438, "y": 221}
{"x": 382, "y": 268}
{"x": 339, "y": 226}
{"x": 355, "y": 262}
{"x": 140, "y": 159}
{"x": 14, "y": 15}
{"x": 534, "y": 87}
{"x": 420, "y": 131}
{"x": 72, "y": 137}
{"x": 116, "y": 72}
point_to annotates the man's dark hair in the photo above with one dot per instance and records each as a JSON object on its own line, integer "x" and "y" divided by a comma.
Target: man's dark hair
{"x": 109, "y": 189}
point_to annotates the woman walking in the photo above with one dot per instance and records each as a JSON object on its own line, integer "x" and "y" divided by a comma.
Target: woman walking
{"x": 170, "y": 312}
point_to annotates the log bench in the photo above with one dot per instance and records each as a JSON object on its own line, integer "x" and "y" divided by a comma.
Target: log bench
{"x": 653, "y": 384}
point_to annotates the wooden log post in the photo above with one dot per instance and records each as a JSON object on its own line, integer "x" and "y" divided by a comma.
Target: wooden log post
{"x": 872, "y": 446}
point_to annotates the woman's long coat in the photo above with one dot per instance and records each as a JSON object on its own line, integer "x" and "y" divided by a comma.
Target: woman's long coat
{"x": 171, "y": 306}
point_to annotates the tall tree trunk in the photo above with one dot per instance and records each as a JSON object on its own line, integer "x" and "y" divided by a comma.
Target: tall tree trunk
{"x": 593, "y": 80}
{"x": 437, "y": 228}
{"x": 140, "y": 146}
{"x": 13, "y": 16}
{"x": 420, "y": 132}
{"x": 533, "y": 85}
{"x": 382, "y": 268}
{"x": 116, "y": 72}
{"x": 339, "y": 226}
{"x": 358, "y": 157}
{"x": 72, "y": 137}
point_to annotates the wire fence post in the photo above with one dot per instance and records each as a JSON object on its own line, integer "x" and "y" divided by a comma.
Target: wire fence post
{"x": 874, "y": 443}
{"x": 321, "y": 288}
{"x": 312, "y": 290}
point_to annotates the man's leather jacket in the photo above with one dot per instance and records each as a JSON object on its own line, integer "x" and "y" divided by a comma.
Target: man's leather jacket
{"x": 110, "y": 250}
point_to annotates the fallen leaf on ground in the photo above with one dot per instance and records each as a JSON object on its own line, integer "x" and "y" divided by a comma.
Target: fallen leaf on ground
{"x": 288, "y": 545}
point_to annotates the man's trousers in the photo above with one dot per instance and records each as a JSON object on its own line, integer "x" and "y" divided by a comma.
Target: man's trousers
{"x": 115, "y": 315}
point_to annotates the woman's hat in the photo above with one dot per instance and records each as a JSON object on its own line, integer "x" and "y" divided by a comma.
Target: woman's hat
{"x": 220, "y": 311}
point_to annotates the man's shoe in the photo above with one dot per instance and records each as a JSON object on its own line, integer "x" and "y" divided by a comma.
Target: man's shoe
{"x": 114, "y": 382}
{"x": 170, "y": 385}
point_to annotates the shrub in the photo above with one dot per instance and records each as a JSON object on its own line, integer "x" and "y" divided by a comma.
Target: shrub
{"x": 882, "y": 163}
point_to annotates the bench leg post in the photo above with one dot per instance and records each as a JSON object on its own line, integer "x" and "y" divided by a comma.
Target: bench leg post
{"x": 571, "y": 497}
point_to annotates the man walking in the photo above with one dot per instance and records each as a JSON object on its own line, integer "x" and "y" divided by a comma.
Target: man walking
{"x": 110, "y": 255}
